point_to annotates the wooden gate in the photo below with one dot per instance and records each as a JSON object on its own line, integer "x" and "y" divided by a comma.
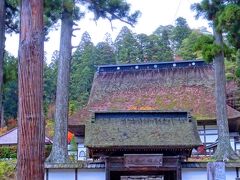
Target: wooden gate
{"x": 143, "y": 167}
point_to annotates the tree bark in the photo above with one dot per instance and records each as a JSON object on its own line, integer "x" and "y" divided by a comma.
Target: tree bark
{"x": 30, "y": 164}
{"x": 216, "y": 171}
{"x": 224, "y": 150}
{"x": 2, "y": 47}
{"x": 59, "y": 152}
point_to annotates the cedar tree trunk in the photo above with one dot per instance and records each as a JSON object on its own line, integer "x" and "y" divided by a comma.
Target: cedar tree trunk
{"x": 30, "y": 164}
{"x": 2, "y": 47}
{"x": 59, "y": 153}
{"x": 224, "y": 150}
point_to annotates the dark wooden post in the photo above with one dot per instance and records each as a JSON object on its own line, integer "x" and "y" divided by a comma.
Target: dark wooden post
{"x": 179, "y": 169}
{"x": 76, "y": 174}
{"x": 107, "y": 168}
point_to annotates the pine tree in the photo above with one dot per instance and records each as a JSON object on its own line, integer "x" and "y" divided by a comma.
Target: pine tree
{"x": 209, "y": 9}
{"x": 31, "y": 134}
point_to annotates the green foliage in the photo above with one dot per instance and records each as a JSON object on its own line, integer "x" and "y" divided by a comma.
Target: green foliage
{"x": 180, "y": 32}
{"x": 73, "y": 144}
{"x": 48, "y": 149}
{"x": 11, "y": 151}
{"x": 231, "y": 70}
{"x": 205, "y": 44}
{"x": 12, "y": 16}
{"x": 228, "y": 20}
{"x": 50, "y": 81}
{"x": 207, "y": 9}
{"x": 104, "y": 54}
{"x": 7, "y": 169}
{"x": 82, "y": 71}
{"x": 8, "y": 152}
{"x": 72, "y": 107}
{"x": 188, "y": 48}
{"x": 49, "y": 128}
{"x": 52, "y": 13}
{"x": 172, "y": 36}
{"x": 238, "y": 73}
{"x": 238, "y": 64}
{"x": 112, "y": 10}
{"x": 10, "y": 93}
{"x": 126, "y": 47}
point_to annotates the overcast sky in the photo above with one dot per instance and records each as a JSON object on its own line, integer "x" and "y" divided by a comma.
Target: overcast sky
{"x": 154, "y": 14}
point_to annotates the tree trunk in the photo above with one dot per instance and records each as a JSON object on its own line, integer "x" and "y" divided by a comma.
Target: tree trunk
{"x": 216, "y": 171}
{"x": 30, "y": 164}
{"x": 59, "y": 152}
{"x": 224, "y": 150}
{"x": 2, "y": 47}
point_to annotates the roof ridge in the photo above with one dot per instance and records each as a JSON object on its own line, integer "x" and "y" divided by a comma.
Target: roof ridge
{"x": 9, "y": 131}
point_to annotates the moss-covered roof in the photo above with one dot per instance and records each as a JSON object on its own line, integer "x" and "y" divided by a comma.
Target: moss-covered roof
{"x": 144, "y": 128}
{"x": 183, "y": 88}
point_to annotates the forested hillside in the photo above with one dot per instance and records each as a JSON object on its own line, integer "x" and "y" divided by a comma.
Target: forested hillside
{"x": 166, "y": 43}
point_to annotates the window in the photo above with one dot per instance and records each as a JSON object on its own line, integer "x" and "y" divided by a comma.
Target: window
{"x": 81, "y": 154}
{"x": 208, "y": 134}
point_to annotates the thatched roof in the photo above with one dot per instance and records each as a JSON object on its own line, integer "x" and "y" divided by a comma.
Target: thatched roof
{"x": 173, "y": 86}
{"x": 142, "y": 129}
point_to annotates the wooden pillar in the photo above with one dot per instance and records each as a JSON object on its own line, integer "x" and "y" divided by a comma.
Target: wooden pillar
{"x": 179, "y": 169}
{"x": 107, "y": 169}
{"x": 216, "y": 171}
{"x": 76, "y": 174}
{"x": 47, "y": 173}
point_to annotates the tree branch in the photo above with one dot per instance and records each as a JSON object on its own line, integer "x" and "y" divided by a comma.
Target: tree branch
{"x": 120, "y": 19}
{"x": 76, "y": 29}
{"x": 73, "y": 47}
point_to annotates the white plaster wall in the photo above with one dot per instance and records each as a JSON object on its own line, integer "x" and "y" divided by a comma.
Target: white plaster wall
{"x": 91, "y": 174}
{"x": 69, "y": 174}
{"x": 201, "y": 174}
{"x": 194, "y": 174}
{"x": 231, "y": 174}
{"x": 61, "y": 174}
{"x": 99, "y": 174}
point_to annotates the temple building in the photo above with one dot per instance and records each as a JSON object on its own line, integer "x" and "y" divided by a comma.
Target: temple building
{"x": 150, "y": 121}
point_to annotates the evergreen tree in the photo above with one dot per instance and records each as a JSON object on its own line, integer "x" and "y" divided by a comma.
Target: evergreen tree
{"x": 179, "y": 32}
{"x": 82, "y": 72}
{"x": 126, "y": 47}
{"x": 229, "y": 19}
{"x": 10, "y": 86}
{"x": 104, "y": 54}
{"x": 196, "y": 45}
{"x": 143, "y": 41}
{"x": 158, "y": 49}
{"x": 8, "y": 24}
{"x": 50, "y": 81}
{"x": 210, "y": 9}
{"x": 110, "y": 10}
{"x": 31, "y": 134}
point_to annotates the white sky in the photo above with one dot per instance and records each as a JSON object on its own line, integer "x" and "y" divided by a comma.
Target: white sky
{"x": 154, "y": 14}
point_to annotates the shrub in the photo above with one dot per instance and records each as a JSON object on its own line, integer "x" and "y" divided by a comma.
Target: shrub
{"x": 7, "y": 169}
{"x": 11, "y": 151}
{"x": 8, "y": 152}
{"x": 48, "y": 149}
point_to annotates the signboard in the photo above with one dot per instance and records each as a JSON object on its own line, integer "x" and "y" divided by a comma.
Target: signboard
{"x": 143, "y": 160}
{"x": 142, "y": 177}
